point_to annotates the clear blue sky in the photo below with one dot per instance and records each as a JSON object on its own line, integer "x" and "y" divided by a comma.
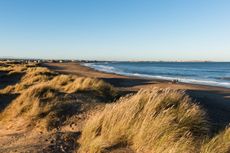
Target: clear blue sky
{"x": 116, "y": 29}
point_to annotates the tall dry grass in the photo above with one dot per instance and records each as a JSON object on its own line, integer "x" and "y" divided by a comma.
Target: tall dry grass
{"x": 32, "y": 102}
{"x": 153, "y": 120}
{"x": 66, "y": 83}
{"x": 219, "y": 144}
{"x": 15, "y": 67}
{"x": 42, "y": 95}
{"x": 101, "y": 88}
{"x": 33, "y": 76}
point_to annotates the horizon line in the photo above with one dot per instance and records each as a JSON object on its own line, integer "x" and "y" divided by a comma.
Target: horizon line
{"x": 95, "y": 60}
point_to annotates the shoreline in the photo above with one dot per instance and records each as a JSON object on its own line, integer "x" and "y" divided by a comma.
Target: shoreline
{"x": 215, "y": 100}
{"x": 89, "y": 72}
{"x": 191, "y": 81}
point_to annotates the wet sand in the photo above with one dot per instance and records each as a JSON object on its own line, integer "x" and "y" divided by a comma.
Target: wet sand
{"x": 215, "y": 100}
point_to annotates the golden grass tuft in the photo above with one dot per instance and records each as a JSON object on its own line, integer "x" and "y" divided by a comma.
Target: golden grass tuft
{"x": 70, "y": 84}
{"x": 45, "y": 102}
{"x": 153, "y": 120}
{"x": 33, "y": 76}
{"x": 12, "y": 67}
{"x": 37, "y": 75}
{"x": 32, "y": 102}
{"x": 62, "y": 80}
{"x": 42, "y": 95}
{"x": 91, "y": 84}
{"x": 218, "y": 144}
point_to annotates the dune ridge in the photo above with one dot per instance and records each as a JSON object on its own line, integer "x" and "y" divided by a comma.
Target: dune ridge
{"x": 148, "y": 121}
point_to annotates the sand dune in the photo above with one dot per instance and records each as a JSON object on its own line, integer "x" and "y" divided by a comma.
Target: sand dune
{"x": 49, "y": 109}
{"x": 66, "y": 107}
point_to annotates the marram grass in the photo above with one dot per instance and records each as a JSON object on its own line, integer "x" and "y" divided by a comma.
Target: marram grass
{"x": 152, "y": 121}
{"x": 41, "y": 94}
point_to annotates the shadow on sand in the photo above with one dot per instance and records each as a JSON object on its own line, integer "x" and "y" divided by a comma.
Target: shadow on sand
{"x": 216, "y": 105}
{"x": 9, "y": 79}
{"x": 6, "y": 99}
{"x": 126, "y": 82}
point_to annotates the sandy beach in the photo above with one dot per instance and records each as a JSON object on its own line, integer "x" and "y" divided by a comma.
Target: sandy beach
{"x": 216, "y": 100}
{"x": 66, "y": 107}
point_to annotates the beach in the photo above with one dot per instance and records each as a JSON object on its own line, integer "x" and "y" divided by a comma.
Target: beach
{"x": 216, "y": 100}
{"x": 67, "y": 107}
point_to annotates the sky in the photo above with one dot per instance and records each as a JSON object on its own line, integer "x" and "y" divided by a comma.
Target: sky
{"x": 116, "y": 29}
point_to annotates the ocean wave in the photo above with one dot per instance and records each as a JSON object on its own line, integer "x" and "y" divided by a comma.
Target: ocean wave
{"x": 224, "y": 78}
{"x": 111, "y": 69}
{"x": 187, "y": 80}
{"x": 103, "y": 68}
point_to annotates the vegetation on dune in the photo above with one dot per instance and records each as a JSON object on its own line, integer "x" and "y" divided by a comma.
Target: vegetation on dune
{"x": 70, "y": 84}
{"x": 66, "y": 83}
{"x": 32, "y": 77}
{"x": 61, "y": 81}
{"x": 151, "y": 121}
{"x": 102, "y": 88}
{"x": 32, "y": 102}
{"x": 43, "y": 96}
{"x": 43, "y": 104}
{"x": 15, "y": 67}
{"x": 154, "y": 120}
{"x": 218, "y": 144}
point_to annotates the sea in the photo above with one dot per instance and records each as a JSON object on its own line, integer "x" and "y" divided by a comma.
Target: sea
{"x": 203, "y": 73}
